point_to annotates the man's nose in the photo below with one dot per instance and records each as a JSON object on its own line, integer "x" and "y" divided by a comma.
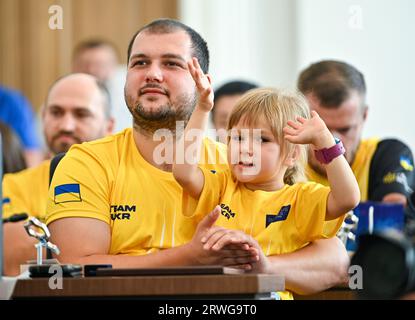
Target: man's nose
{"x": 67, "y": 123}
{"x": 154, "y": 73}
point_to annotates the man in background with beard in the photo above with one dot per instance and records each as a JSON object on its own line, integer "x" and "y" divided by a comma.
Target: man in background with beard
{"x": 77, "y": 109}
{"x": 384, "y": 168}
{"x": 115, "y": 201}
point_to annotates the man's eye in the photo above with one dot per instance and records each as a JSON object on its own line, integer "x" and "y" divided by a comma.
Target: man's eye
{"x": 56, "y": 113}
{"x": 81, "y": 115}
{"x": 236, "y": 138}
{"x": 139, "y": 63}
{"x": 172, "y": 64}
{"x": 344, "y": 131}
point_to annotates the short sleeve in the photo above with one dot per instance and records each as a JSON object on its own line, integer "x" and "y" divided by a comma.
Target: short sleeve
{"x": 391, "y": 170}
{"x": 80, "y": 188}
{"x": 12, "y": 197}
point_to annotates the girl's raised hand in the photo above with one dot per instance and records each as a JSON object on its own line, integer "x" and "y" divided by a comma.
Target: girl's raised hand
{"x": 203, "y": 85}
{"x": 308, "y": 131}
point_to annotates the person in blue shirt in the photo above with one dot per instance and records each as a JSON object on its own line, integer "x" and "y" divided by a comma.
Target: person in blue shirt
{"x": 16, "y": 111}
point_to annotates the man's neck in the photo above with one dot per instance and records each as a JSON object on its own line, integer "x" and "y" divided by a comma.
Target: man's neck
{"x": 147, "y": 145}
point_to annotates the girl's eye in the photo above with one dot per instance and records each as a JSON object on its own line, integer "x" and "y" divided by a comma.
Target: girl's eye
{"x": 261, "y": 139}
{"x": 236, "y": 138}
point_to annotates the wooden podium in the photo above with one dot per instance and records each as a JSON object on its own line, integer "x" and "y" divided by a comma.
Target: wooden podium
{"x": 240, "y": 286}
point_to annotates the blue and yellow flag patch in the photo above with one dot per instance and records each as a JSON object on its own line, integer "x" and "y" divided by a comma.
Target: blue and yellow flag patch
{"x": 406, "y": 164}
{"x": 6, "y": 204}
{"x": 68, "y": 193}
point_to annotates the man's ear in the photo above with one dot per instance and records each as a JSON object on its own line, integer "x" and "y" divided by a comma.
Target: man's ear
{"x": 43, "y": 111}
{"x": 365, "y": 112}
{"x": 293, "y": 156}
{"x": 110, "y": 126}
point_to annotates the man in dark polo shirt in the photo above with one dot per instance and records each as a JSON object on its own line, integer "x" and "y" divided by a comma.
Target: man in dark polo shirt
{"x": 383, "y": 167}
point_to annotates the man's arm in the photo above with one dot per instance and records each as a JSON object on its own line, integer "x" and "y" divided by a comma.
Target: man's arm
{"x": 317, "y": 267}
{"x": 392, "y": 175}
{"x": 87, "y": 241}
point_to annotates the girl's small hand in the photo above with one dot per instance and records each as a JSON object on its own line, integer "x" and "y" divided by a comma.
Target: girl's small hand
{"x": 203, "y": 85}
{"x": 309, "y": 131}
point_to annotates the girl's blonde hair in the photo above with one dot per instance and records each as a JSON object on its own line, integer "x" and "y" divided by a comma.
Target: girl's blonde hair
{"x": 276, "y": 107}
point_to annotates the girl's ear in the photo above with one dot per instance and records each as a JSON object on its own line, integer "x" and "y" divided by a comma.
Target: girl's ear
{"x": 293, "y": 156}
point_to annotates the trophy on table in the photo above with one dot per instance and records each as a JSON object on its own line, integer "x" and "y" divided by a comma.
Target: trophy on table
{"x": 43, "y": 235}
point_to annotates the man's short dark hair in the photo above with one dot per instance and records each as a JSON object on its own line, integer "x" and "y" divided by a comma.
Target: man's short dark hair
{"x": 234, "y": 88}
{"x": 163, "y": 26}
{"x": 237, "y": 87}
{"x": 331, "y": 82}
{"x": 93, "y": 44}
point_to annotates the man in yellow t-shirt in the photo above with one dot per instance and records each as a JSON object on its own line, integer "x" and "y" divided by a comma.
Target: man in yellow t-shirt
{"x": 140, "y": 206}
{"x": 383, "y": 168}
{"x": 77, "y": 109}
{"x": 114, "y": 199}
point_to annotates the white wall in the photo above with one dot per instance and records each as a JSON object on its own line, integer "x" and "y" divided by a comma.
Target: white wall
{"x": 270, "y": 41}
{"x": 248, "y": 39}
{"x": 376, "y": 36}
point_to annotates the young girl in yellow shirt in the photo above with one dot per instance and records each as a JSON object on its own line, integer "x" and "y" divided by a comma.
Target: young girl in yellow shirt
{"x": 262, "y": 193}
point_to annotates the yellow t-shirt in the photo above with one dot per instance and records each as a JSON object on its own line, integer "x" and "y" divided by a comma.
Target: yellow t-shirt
{"x": 109, "y": 180}
{"x": 281, "y": 221}
{"x": 26, "y": 191}
{"x": 360, "y": 168}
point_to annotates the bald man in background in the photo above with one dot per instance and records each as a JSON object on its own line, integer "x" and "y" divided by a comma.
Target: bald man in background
{"x": 77, "y": 109}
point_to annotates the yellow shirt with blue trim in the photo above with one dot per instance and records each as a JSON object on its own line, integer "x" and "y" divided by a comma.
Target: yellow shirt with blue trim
{"x": 109, "y": 180}
{"x": 281, "y": 221}
{"x": 27, "y": 191}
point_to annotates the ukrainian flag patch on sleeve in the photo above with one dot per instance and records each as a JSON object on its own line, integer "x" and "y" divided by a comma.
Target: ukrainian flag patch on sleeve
{"x": 406, "y": 163}
{"x": 68, "y": 193}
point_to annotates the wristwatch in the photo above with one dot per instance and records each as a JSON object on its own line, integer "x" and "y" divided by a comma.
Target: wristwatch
{"x": 326, "y": 155}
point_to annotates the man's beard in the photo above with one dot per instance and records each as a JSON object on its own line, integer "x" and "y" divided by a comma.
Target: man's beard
{"x": 165, "y": 117}
{"x": 62, "y": 146}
